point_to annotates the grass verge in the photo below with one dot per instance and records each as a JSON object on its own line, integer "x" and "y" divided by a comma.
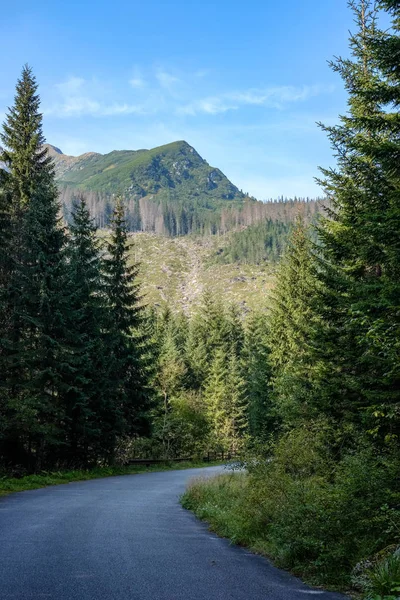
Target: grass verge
{"x": 44, "y": 479}
{"x": 220, "y": 501}
{"x": 225, "y": 503}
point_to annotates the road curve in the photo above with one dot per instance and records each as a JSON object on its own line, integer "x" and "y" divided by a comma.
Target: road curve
{"x": 127, "y": 538}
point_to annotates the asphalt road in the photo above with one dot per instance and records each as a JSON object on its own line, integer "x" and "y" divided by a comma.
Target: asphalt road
{"x": 127, "y": 538}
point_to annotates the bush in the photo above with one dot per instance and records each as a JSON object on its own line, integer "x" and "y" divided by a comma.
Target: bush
{"x": 382, "y": 581}
{"x": 313, "y": 516}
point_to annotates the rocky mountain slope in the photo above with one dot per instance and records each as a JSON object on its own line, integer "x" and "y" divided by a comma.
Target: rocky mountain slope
{"x": 174, "y": 171}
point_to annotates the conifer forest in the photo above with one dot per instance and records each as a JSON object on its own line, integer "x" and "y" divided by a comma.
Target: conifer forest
{"x": 302, "y": 388}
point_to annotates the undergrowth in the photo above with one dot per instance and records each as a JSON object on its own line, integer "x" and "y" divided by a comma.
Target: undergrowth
{"x": 318, "y": 519}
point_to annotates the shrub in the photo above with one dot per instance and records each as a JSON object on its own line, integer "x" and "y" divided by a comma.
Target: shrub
{"x": 312, "y": 515}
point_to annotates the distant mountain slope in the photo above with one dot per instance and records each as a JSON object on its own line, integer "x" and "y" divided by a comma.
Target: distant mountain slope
{"x": 169, "y": 190}
{"x": 172, "y": 172}
{"x": 178, "y": 270}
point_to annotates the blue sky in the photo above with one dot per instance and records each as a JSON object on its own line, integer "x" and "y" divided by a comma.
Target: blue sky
{"x": 243, "y": 82}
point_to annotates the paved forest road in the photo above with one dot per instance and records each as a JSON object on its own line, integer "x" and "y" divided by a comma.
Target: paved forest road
{"x": 127, "y": 538}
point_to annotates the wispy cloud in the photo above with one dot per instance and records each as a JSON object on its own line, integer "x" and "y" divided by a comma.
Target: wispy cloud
{"x": 272, "y": 97}
{"x": 77, "y": 97}
{"x": 70, "y": 86}
{"x": 210, "y": 106}
{"x": 164, "y": 92}
{"x": 137, "y": 80}
{"x": 166, "y": 80}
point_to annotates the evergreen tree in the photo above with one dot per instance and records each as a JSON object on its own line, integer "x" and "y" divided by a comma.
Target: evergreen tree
{"x": 33, "y": 341}
{"x": 361, "y": 240}
{"x": 235, "y": 332}
{"x": 257, "y": 373}
{"x": 125, "y": 411}
{"x": 169, "y": 381}
{"x": 293, "y": 319}
{"x": 86, "y": 344}
{"x": 29, "y": 166}
{"x": 224, "y": 396}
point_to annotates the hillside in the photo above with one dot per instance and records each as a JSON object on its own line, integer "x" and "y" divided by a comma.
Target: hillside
{"x": 174, "y": 170}
{"x": 169, "y": 190}
{"x": 178, "y": 270}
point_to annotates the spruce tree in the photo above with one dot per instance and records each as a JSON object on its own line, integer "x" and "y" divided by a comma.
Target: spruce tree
{"x": 29, "y": 166}
{"x": 293, "y": 320}
{"x": 226, "y": 404}
{"x": 35, "y": 295}
{"x": 128, "y": 396}
{"x": 257, "y": 374}
{"x": 360, "y": 240}
{"x": 84, "y": 394}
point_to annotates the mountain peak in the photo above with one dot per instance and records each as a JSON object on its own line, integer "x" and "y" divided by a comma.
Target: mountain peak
{"x": 172, "y": 171}
{"x": 52, "y": 150}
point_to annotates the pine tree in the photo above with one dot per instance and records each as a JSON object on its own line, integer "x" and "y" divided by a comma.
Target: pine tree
{"x": 169, "y": 381}
{"x": 361, "y": 239}
{"x": 257, "y": 373}
{"x": 35, "y": 296}
{"x": 86, "y": 344}
{"x": 235, "y": 332}
{"x": 128, "y": 394}
{"x": 215, "y": 390}
{"x": 294, "y": 317}
{"x": 236, "y": 405}
{"x": 209, "y": 330}
{"x": 225, "y": 399}
{"x": 28, "y": 163}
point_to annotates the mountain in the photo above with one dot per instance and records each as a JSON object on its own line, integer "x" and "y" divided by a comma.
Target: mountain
{"x": 174, "y": 171}
{"x": 170, "y": 190}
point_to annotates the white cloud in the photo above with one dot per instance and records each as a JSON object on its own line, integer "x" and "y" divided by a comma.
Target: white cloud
{"x": 166, "y": 80}
{"x": 279, "y": 95}
{"x": 201, "y": 73}
{"x": 79, "y": 107}
{"x": 137, "y": 80}
{"x": 71, "y": 86}
{"x": 272, "y": 97}
{"x": 171, "y": 95}
{"x": 211, "y": 106}
{"x": 77, "y": 97}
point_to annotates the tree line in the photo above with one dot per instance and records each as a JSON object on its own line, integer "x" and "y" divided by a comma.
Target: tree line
{"x": 89, "y": 374}
{"x": 175, "y": 217}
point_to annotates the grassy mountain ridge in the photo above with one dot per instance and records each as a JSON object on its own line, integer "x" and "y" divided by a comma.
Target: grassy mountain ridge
{"x": 170, "y": 190}
{"x": 173, "y": 171}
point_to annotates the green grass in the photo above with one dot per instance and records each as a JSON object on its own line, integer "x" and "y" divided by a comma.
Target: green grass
{"x": 154, "y": 171}
{"x": 221, "y": 501}
{"x": 227, "y": 503}
{"x": 10, "y": 485}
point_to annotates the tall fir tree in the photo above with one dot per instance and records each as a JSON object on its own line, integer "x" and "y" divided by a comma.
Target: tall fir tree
{"x": 35, "y": 298}
{"x": 128, "y": 397}
{"x": 226, "y": 403}
{"x": 292, "y": 321}
{"x": 84, "y": 394}
{"x": 361, "y": 239}
{"x": 257, "y": 373}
